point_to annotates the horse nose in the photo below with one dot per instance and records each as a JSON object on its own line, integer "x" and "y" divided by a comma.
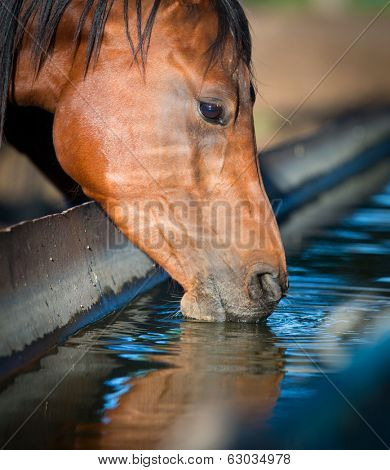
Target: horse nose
{"x": 264, "y": 285}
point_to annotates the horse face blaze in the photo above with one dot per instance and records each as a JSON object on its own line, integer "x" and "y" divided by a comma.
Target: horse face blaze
{"x": 171, "y": 156}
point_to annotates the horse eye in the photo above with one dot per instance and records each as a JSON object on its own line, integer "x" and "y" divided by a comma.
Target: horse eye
{"x": 211, "y": 112}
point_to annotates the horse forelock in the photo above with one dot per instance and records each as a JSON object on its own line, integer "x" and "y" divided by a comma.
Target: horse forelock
{"x": 16, "y": 16}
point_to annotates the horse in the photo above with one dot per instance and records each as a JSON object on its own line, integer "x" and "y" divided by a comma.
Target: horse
{"x": 147, "y": 105}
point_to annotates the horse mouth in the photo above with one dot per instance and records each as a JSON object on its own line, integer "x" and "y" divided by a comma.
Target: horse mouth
{"x": 200, "y": 306}
{"x": 249, "y": 297}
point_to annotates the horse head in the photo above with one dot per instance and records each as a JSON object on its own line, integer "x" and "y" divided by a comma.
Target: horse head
{"x": 159, "y": 130}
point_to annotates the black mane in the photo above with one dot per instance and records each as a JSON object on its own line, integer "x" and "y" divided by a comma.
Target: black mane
{"x": 15, "y": 15}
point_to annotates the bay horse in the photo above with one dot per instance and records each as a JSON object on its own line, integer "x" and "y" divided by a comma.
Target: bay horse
{"x": 151, "y": 114}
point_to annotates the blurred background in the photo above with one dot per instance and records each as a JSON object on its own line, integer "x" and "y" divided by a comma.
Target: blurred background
{"x": 297, "y": 43}
{"x": 296, "y": 46}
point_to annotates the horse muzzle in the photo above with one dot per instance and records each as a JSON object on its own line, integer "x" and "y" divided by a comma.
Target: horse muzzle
{"x": 220, "y": 299}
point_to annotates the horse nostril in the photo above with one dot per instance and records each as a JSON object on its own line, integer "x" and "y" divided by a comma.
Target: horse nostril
{"x": 265, "y": 287}
{"x": 271, "y": 287}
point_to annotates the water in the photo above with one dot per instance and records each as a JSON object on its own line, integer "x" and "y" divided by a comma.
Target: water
{"x": 143, "y": 378}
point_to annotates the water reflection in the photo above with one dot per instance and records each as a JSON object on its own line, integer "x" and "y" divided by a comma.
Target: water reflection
{"x": 142, "y": 378}
{"x": 210, "y": 377}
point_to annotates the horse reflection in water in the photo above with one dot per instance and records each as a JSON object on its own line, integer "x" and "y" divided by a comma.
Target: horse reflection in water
{"x": 145, "y": 380}
{"x": 214, "y": 382}
{"x": 151, "y": 103}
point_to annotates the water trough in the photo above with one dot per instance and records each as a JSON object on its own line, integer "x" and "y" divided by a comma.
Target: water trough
{"x": 62, "y": 272}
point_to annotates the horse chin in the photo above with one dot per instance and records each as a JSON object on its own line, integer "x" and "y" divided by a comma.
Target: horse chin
{"x": 206, "y": 310}
{"x": 206, "y": 305}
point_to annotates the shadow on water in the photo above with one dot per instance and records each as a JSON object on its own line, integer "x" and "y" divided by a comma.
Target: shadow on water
{"x": 143, "y": 378}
